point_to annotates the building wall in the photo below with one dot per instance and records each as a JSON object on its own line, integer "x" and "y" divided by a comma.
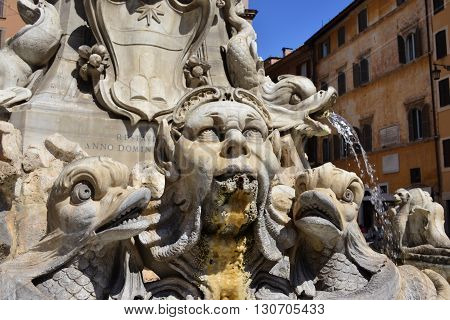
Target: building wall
{"x": 441, "y": 21}
{"x": 10, "y": 22}
{"x": 392, "y": 88}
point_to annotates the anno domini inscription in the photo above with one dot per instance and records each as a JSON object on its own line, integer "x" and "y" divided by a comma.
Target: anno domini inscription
{"x": 123, "y": 143}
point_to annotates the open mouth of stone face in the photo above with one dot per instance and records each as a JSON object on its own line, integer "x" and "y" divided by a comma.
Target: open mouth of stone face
{"x": 328, "y": 99}
{"x": 29, "y": 12}
{"x": 314, "y": 214}
{"x": 231, "y": 206}
{"x": 231, "y": 182}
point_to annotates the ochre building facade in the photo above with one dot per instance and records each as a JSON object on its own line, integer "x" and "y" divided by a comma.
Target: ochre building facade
{"x": 10, "y": 21}
{"x": 379, "y": 55}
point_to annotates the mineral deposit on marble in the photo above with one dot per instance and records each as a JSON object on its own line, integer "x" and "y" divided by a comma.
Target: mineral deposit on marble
{"x": 147, "y": 156}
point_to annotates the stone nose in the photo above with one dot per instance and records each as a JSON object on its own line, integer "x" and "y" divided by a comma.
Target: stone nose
{"x": 235, "y": 145}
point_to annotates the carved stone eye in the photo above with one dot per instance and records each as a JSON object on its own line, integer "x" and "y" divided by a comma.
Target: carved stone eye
{"x": 208, "y": 135}
{"x": 252, "y": 134}
{"x": 81, "y": 193}
{"x": 295, "y": 99}
{"x": 348, "y": 196}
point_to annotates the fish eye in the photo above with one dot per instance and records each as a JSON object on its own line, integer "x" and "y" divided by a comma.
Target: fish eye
{"x": 348, "y": 196}
{"x": 82, "y": 192}
{"x": 295, "y": 99}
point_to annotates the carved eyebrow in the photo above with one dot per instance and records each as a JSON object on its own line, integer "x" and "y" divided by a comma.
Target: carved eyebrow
{"x": 252, "y": 117}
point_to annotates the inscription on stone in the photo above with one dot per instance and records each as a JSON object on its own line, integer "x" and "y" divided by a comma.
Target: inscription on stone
{"x": 123, "y": 143}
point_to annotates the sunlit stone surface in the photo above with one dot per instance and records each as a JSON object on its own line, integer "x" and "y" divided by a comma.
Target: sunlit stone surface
{"x": 146, "y": 155}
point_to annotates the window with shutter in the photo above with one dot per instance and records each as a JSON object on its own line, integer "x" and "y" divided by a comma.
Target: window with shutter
{"x": 415, "y": 175}
{"x": 446, "y": 151}
{"x": 426, "y": 124}
{"x": 356, "y": 75}
{"x": 2, "y": 8}
{"x": 444, "y": 93}
{"x": 1, "y": 38}
{"x": 342, "y": 86}
{"x": 362, "y": 20}
{"x": 401, "y": 50}
{"x": 364, "y": 64}
{"x": 415, "y": 120}
{"x": 441, "y": 44}
{"x": 337, "y": 147}
{"x": 367, "y": 137}
{"x": 341, "y": 36}
{"x": 438, "y": 5}
{"x": 418, "y": 42}
{"x": 357, "y": 143}
{"x": 303, "y": 69}
{"x": 311, "y": 150}
{"x": 326, "y": 150}
{"x": 410, "y": 48}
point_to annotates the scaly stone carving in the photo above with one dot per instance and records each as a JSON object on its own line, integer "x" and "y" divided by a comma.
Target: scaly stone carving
{"x": 332, "y": 259}
{"x": 26, "y": 54}
{"x": 219, "y": 158}
{"x": 91, "y": 212}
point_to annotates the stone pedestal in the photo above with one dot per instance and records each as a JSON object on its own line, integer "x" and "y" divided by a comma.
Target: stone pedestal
{"x": 64, "y": 104}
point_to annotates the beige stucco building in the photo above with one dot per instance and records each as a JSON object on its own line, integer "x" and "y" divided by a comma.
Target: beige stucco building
{"x": 10, "y": 21}
{"x": 379, "y": 55}
{"x": 440, "y": 39}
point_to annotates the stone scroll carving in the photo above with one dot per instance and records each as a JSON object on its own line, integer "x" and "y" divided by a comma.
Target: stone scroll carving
{"x": 27, "y": 54}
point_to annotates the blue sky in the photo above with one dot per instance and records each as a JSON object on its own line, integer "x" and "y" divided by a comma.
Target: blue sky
{"x": 288, "y": 23}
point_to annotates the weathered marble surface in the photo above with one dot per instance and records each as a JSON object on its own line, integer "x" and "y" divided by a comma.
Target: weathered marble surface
{"x": 418, "y": 231}
{"x": 213, "y": 162}
{"x": 27, "y": 54}
{"x": 332, "y": 259}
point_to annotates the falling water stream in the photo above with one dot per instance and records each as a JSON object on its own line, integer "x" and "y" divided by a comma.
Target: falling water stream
{"x": 353, "y": 144}
{"x": 385, "y": 234}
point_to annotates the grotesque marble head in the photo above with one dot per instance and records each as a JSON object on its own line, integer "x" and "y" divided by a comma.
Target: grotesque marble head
{"x": 220, "y": 156}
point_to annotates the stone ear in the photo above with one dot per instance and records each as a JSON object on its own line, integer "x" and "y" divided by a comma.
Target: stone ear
{"x": 165, "y": 149}
{"x": 275, "y": 138}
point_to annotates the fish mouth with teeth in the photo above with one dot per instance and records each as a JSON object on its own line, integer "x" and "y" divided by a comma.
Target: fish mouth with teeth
{"x": 126, "y": 222}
